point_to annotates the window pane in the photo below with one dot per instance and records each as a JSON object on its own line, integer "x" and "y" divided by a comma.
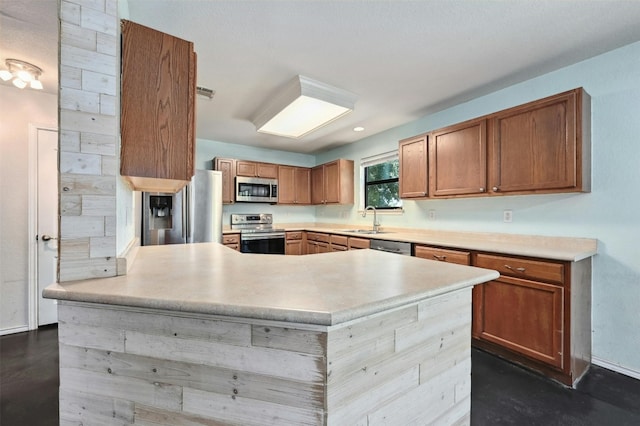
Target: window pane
{"x": 388, "y": 170}
{"x": 383, "y": 195}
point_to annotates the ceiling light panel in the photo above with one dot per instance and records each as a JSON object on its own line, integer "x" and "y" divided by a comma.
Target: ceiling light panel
{"x": 303, "y": 106}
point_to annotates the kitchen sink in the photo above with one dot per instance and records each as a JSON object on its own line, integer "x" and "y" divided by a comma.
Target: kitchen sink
{"x": 361, "y": 231}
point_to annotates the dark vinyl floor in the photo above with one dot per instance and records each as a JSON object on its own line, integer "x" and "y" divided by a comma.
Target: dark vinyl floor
{"x": 501, "y": 393}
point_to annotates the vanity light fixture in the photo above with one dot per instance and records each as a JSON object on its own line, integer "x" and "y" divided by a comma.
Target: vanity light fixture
{"x": 303, "y": 106}
{"x": 22, "y": 73}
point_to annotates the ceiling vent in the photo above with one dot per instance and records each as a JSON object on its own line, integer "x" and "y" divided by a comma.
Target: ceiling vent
{"x": 203, "y": 91}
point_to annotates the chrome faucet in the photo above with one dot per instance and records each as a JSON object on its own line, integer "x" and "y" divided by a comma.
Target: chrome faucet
{"x": 376, "y": 224}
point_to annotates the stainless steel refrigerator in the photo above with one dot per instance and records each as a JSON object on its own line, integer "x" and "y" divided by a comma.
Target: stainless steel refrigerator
{"x": 193, "y": 215}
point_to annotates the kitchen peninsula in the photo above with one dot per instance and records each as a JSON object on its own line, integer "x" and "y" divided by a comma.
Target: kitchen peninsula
{"x": 200, "y": 333}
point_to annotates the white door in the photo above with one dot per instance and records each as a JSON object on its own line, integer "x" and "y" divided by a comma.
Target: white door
{"x": 47, "y": 221}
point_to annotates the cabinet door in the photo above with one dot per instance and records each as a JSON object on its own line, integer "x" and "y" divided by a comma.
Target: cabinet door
{"x": 317, "y": 185}
{"x": 534, "y": 146}
{"x": 312, "y": 247}
{"x": 293, "y": 247}
{"x": 294, "y": 185}
{"x": 523, "y": 316}
{"x": 158, "y": 72}
{"x": 267, "y": 170}
{"x": 286, "y": 185}
{"x": 332, "y": 182}
{"x": 323, "y": 247}
{"x": 303, "y": 185}
{"x": 458, "y": 159}
{"x": 228, "y": 168}
{"x": 246, "y": 168}
{"x": 412, "y": 155}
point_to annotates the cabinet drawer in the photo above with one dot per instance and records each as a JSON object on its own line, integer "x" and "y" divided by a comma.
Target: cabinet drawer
{"x": 340, "y": 240}
{"x": 359, "y": 243}
{"x": 294, "y": 235}
{"x": 231, "y": 239}
{"x": 523, "y": 268}
{"x": 314, "y": 236}
{"x": 235, "y": 246}
{"x": 443, "y": 255}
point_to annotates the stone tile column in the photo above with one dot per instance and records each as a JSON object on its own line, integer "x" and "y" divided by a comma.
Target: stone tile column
{"x": 89, "y": 134}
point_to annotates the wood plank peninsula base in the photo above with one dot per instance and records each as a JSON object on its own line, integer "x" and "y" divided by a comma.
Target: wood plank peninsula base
{"x": 329, "y": 353}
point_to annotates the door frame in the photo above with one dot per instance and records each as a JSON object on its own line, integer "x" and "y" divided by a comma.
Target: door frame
{"x": 32, "y": 171}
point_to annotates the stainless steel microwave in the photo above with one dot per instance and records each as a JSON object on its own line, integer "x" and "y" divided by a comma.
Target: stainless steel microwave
{"x": 256, "y": 190}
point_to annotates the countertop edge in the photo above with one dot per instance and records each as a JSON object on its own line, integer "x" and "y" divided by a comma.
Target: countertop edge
{"x": 58, "y": 291}
{"x": 571, "y": 249}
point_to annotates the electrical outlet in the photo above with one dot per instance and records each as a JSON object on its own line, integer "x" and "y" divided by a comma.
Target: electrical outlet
{"x": 432, "y": 214}
{"x": 507, "y": 216}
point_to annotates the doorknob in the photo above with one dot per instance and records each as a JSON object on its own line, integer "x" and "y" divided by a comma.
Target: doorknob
{"x": 48, "y": 238}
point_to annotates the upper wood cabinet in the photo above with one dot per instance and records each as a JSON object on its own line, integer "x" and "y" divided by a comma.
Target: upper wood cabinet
{"x": 228, "y": 168}
{"x": 332, "y": 183}
{"x": 542, "y": 146}
{"x": 412, "y": 156}
{"x": 539, "y": 147}
{"x": 256, "y": 169}
{"x": 157, "y": 109}
{"x": 294, "y": 185}
{"x": 458, "y": 159}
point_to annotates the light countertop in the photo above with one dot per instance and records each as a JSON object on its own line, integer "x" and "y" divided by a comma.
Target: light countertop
{"x": 323, "y": 289}
{"x": 556, "y": 248}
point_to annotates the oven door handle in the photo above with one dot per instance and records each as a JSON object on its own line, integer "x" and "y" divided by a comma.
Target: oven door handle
{"x": 253, "y": 237}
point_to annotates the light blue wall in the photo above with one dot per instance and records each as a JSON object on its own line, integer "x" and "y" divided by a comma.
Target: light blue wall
{"x": 610, "y": 213}
{"x": 206, "y": 150}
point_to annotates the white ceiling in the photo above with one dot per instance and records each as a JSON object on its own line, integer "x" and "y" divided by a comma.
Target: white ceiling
{"x": 404, "y": 59}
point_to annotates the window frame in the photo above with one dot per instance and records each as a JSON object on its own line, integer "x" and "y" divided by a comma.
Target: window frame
{"x": 373, "y": 161}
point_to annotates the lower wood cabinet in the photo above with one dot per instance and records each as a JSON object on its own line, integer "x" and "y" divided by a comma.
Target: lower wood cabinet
{"x": 317, "y": 243}
{"x": 356, "y": 243}
{"x": 293, "y": 244}
{"x": 231, "y": 241}
{"x": 443, "y": 255}
{"x": 537, "y": 313}
{"x": 339, "y": 242}
{"x": 523, "y": 316}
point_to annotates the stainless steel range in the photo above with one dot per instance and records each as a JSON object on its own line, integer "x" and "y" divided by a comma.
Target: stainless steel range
{"x": 257, "y": 234}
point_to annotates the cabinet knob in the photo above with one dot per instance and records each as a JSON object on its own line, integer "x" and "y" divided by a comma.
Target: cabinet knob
{"x": 481, "y": 189}
{"x": 495, "y": 189}
{"x": 440, "y": 258}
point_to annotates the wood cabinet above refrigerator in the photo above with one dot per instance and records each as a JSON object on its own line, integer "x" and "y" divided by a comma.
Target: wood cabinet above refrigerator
{"x": 157, "y": 109}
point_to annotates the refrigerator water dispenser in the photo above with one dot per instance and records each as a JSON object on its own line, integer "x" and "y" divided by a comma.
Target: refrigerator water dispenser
{"x": 160, "y": 212}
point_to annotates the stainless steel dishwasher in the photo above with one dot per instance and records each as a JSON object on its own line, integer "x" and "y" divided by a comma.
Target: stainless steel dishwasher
{"x": 397, "y": 247}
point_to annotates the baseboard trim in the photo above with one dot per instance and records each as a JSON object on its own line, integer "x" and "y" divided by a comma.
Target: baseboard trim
{"x": 13, "y": 330}
{"x": 615, "y": 367}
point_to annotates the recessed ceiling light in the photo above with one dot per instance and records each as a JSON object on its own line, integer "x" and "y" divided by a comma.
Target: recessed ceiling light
{"x": 358, "y": 129}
